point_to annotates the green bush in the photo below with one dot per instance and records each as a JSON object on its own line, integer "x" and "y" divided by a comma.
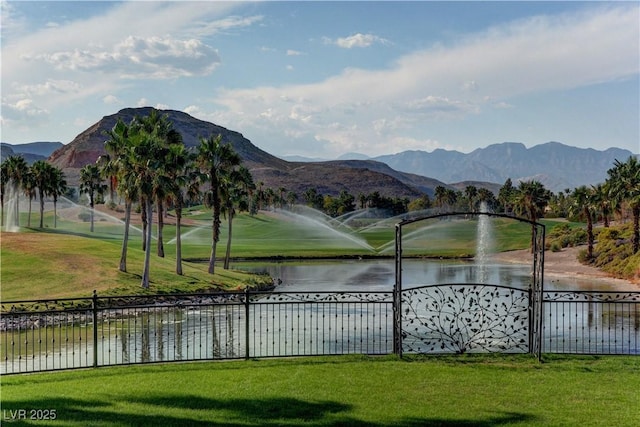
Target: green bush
{"x": 613, "y": 253}
{"x": 563, "y": 236}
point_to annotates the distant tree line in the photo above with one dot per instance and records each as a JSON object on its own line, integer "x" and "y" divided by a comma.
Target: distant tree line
{"x": 618, "y": 196}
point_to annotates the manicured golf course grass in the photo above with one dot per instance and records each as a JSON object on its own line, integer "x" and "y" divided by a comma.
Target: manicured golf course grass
{"x": 71, "y": 261}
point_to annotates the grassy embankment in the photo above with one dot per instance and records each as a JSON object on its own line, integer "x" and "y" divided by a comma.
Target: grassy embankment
{"x": 71, "y": 261}
{"x": 346, "y": 390}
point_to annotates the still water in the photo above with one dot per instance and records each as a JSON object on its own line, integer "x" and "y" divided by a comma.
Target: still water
{"x": 379, "y": 275}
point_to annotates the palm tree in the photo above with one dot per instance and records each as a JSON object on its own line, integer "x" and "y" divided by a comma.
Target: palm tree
{"x": 181, "y": 175}
{"x": 4, "y": 179}
{"x": 471, "y": 194}
{"x": 161, "y": 128}
{"x": 624, "y": 185}
{"x": 16, "y": 170}
{"x": 451, "y": 198}
{"x": 582, "y": 206}
{"x": 43, "y": 177}
{"x": 57, "y": 187}
{"x": 116, "y": 164}
{"x": 440, "y": 196}
{"x": 128, "y": 189}
{"x": 145, "y": 160}
{"x": 531, "y": 199}
{"x": 506, "y": 194}
{"x": 29, "y": 188}
{"x": 602, "y": 202}
{"x": 91, "y": 184}
{"x": 238, "y": 186}
{"x": 216, "y": 160}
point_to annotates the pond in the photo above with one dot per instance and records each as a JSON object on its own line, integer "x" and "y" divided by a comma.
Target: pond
{"x": 379, "y": 275}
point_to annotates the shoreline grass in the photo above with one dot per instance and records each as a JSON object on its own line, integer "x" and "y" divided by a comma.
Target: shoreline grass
{"x": 466, "y": 390}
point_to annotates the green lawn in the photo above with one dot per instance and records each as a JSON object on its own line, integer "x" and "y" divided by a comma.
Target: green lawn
{"x": 345, "y": 390}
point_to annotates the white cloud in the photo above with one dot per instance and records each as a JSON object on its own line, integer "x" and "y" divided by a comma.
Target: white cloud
{"x": 447, "y": 82}
{"x": 224, "y": 25}
{"x": 193, "y": 110}
{"x": 23, "y": 114}
{"x": 51, "y": 86}
{"x": 10, "y": 21}
{"x": 136, "y": 57}
{"x": 291, "y": 52}
{"x": 356, "y": 40}
{"x": 111, "y": 100}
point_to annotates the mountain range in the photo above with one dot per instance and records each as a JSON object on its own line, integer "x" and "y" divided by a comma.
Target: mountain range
{"x": 556, "y": 165}
{"x": 31, "y": 152}
{"x": 406, "y": 174}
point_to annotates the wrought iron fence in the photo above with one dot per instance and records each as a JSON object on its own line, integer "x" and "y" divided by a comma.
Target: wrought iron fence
{"x": 588, "y": 322}
{"x": 73, "y": 333}
{"x": 99, "y": 331}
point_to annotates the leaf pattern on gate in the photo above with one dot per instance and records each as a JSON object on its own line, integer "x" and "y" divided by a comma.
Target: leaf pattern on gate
{"x": 462, "y": 318}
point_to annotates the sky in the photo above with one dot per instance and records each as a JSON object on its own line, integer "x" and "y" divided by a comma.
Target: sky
{"x": 321, "y": 79}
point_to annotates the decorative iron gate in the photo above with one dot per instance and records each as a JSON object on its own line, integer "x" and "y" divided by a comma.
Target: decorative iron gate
{"x": 469, "y": 317}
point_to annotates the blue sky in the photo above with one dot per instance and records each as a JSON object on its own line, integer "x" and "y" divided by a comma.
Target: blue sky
{"x": 320, "y": 79}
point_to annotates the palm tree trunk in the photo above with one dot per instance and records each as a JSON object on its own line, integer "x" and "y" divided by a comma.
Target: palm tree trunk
{"x": 143, "y": 218}
{"x": 214, "y": 243}
{"x": 29, "y": 214}
{"x": 216, "y": 230}
{"x": 17, "y": 209}
{"x": 228, "y": 254}
{"x": 636, "y": 228}
{"x": 212, "y": 258}
{"x": 91, "y": 211}
{"x": 125, "y": 238}
{"x": 589, "y": 236}
{"x": 160, "y": 227}
{"x": 42, "y": 210}
{"x": 178, "y": 241}
{"x": 147, "y": 252}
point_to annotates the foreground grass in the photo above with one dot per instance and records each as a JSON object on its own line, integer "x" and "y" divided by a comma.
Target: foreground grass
{"x": 353, "y": 390}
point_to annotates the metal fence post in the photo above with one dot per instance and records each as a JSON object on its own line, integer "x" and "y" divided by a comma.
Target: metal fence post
{"x": 246, "y": 323}
{"x": 94, "y": 307}
{"x": 397, "y": 294}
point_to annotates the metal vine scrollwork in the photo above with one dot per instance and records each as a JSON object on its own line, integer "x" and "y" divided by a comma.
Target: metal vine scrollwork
{"x": 465, "y": 318}
{"x": 591, "y": 296}
{"x": 341, "y": 297}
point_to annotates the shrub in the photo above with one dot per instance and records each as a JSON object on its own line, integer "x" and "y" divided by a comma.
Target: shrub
{"x": 555, "y": 246}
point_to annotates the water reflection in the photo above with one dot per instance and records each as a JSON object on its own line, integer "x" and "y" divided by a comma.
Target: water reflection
{"x": 379, "y": 275}
{"x": 573, "y": 322}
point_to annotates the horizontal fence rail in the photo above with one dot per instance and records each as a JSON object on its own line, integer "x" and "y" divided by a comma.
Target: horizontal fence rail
{"x": 59, "y": 334}
{"x": 588, "y": 322}
{"x": 101, "y": 331}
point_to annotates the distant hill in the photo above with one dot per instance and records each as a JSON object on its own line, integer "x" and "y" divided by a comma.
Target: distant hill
{"x": 326, "y": 177}
{"x": 31, "y": 152}
{"x": 556, "y": 165}
{"x": 406, "y": 174}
